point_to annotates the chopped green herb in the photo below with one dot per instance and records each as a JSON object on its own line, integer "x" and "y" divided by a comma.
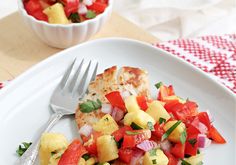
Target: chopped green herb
{"x": 153, "y": 152}
{"x": 162, "y": 120}
{"x": 132, "y": 133}
{"x": 198, "y": 151}
{"x": 158, "y": 85}
{"x": 170, "y": 130}
{"x": 192, "y": 141}
{"x": 22, "y": 148}
{"x": 53, "y": 153}
{"x": 90, "y": 106}
{"x": 119, "y": 143}
{"x": 154, "y": 161}
{"x": 184, "y": 162}
{"x": 150, "y": 126}
{"x": 90, "y": 14}
{"x": 200, "y": 163}
{"x": 106, "y": 119}
{"x": 183, "y": 136}
{"x": 86, "y": 157}
{"x": 135, "y": 126}
{"x": 74, "y": 17}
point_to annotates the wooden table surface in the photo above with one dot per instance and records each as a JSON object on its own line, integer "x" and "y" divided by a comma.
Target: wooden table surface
{"x": 20, "y": 49}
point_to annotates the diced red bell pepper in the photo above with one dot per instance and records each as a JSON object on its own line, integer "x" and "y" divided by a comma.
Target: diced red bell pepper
{"x": 39, "y": 15}
{"x": 119, "y": 134}
{"x": 190, "y": 148}
{"x": 142, "y": 102}
{"x": 178, "y": 150}
{"x": 204, "y": 118}
{"x": 184, "y": 111}
{"x": 116, "y": 100}
{"x": 159, "y": 131}
{"x": 32, "y": 6}
{"x": 215, "y": 135}
{"x": 102, "y": 1}
{"x": 125, "y": 155}
{"x": 135, "y": 137}
{"x": 168, "y": 106}
{"x": 128, "y": 142}
{"x": 73, "y": 153}
{"x": 91, "y": 145}
{"x": 71, "y": 6}
{"x": 171, "y": 158}
{"x": 97, "y": 7}
{"x": 165, "y": 91}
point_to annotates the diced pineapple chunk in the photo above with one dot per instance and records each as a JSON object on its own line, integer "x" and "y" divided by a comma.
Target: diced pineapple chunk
{"x": 82, "y": 161}
{"x": 174, "y": 97}
{"x": 157, "y": 111}
{"x": 155, "y": 157}
{"x": 55, "y": 157}
{"x": 175, "y": 135}
{"x": 194, "y": 160}
{"x": 107, "y": 148}
{"x": 56, "y": 14}
{"x": 91, "y": 161}
{"x": 139, "y": 117}
{"x": 131, "y": 104}
{"x": 106, "y": 125}
{"x": 51, "y": 143}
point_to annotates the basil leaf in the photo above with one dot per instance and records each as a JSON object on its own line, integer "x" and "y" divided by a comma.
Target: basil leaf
{"x": 132, "y": 133}
{"x": 90, "y": 106}
{"x": 158, "y": 85}
{"x": 150, "y": 126}
{"x": 154, "y": 161}
{"x": 90, "y": 14}
{"x": 192, "y": 141}
{"x": 183, "y": 137}
{"x": 22, "y": 148}
{"x": 86, "y": 157}
{"x": 162, "y": 120}
{"x": 184, "y": 162}
{"x": 170, "y": 130}
{"x": 74, "y": 17}
{"x": 135, "y": 126}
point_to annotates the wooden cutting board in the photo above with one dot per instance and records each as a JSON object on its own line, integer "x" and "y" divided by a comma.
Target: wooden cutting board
{"x": 20, "y": 48}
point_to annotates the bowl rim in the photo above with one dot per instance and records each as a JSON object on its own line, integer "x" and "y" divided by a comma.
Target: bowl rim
{"x": 25, "y": 14}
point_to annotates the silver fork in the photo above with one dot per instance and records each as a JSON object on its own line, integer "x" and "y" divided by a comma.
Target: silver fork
{"x": 64, "y": 101}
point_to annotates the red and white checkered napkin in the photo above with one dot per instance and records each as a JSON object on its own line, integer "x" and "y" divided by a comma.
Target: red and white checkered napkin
{"x": 216, "y": 55}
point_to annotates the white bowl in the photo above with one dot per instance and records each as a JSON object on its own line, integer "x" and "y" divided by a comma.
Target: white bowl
{"x": 64, "y": 36}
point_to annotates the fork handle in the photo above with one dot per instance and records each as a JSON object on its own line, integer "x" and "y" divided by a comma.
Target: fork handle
{"x": 30, "y": 155}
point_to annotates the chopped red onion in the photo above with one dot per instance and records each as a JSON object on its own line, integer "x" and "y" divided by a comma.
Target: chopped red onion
{"x": 106, "y": 108}
{"x": 203, "y": 141}
{"x": 147, "y": 145}
{"x": 165, "y": 145}
{"x": 117, "y": 114}
{"x": 202, "y": 128}
{"x": 86, "y": 130}
{"x": 88, "y": 2}
{"x": 137, "y": 155}
{"x": 82, "y": 9}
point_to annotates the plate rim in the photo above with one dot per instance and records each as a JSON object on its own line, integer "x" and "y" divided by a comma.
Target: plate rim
{"x": 39, "y": 65}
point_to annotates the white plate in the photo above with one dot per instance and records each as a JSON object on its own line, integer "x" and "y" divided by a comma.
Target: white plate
{"x": 24, "y": 103}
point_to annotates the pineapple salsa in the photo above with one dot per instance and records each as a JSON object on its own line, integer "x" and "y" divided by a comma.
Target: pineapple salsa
{"x": 163, "y": 131}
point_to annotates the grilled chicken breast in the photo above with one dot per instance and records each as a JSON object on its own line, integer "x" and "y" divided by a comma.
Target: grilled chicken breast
{"x": 133, "y": 80}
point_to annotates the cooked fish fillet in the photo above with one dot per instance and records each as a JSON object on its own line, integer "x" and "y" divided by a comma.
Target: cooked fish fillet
{"x": 134, "y": 80}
